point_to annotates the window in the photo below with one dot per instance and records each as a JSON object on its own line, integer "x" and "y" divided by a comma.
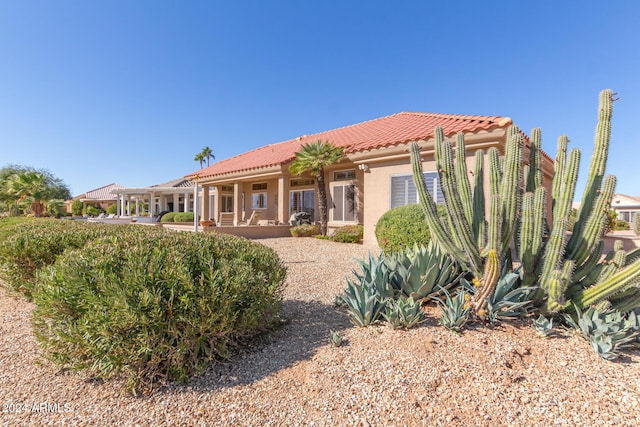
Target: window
{"x": 403, "y": 190}
{"x": 226, "y": 203}
{"x": 302, "y": 201}
{"x": 344, "y": 175}
{"x": 344, "y": 203}
{"x": 259, "y": 201}
{"x": 301, "y": 182}
{"x": 226, "y": 188}
{"x": 260, "y": 186}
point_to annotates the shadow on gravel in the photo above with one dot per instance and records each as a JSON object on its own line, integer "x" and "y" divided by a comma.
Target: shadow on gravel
{"x": 308, "y": 328}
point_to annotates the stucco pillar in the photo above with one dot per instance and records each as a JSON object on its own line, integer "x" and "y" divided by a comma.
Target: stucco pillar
{"x": 186, "y": 203}
{"x": 237, "y": 209}
{"x": 216, "y": 205}
{"x": 128, "y": 205}
{"x": 205, "y": 203}
{"x": 152, "y": 205}
{"x": 283, "y": 200}
{"x": 176, "y": 202}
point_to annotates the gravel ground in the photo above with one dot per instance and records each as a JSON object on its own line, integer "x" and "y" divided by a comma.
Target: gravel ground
{"x": 503, "y": 376}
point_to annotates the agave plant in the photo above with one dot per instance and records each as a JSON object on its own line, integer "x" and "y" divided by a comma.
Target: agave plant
{"x": 421, "y": 272}
{"x": 335, "y": 338}
{"x": 363, "y": 303}
{"x": 454, "y": 312}
{"x": 543, "y": 326}
{"x": 374, "y": 272}
{"x": 509, "y": 299}
{"x": 403, "y": 313}
{"x": 608, "y": 331}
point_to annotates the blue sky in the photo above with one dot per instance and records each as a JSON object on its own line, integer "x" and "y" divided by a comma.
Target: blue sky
{"x": 129, "y": 91}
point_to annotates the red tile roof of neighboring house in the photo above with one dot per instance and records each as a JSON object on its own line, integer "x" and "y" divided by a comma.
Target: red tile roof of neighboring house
{"x": 383, "y": 132}
{"x": 102, "y": 193}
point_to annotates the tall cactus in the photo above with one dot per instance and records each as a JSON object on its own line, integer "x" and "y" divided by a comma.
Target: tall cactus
{"x": 567, "y": 268}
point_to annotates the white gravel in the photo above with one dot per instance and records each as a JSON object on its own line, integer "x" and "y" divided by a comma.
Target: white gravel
{"x": 505, "y": 376}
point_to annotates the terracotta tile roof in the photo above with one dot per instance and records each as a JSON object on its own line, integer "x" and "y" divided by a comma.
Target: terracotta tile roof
{"x": 102, "y": 193}
{"x": 382, "y": 132}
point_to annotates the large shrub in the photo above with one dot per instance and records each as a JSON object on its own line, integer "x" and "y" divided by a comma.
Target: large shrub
{"x": 305, "y": 230}
{"x": 403, "y": 227}
{"x": 28, "y": 246}
{"x": 76, "y": 208}
{"x": 348, "y": 234}
{"x": 183, "y": 217}
{"x": 112, "y": 209}
{"x": 168, "y": 217}
{"x": 155, "y": 304}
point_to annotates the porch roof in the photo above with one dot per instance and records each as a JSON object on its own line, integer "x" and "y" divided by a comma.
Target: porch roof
{"x": 378, "y": 133}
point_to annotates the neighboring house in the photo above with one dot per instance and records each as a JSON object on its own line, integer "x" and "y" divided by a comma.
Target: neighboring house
{"x": 100, "y": 197}
{"x": 625, "y": 206}
{"x": 172, "y": 196}
{"x": 374, "y": 177}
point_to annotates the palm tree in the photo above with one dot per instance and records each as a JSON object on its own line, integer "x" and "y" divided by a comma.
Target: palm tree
{"x": 314, "y": 157}
{"x": 199, "y": 158}
{"x": 28, "y": 185}
{"x": 206, "y": 152}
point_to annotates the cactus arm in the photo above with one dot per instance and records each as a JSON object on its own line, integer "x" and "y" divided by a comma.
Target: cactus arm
{"x": 602, "y": 290}
{"x": 540, "y": 218}
{"x": 510, "y": 186}
{"x": 586, "y": 239}
{"x": 462, "y": 178}
{"x": 562, "y": 208}
{"x": 598, "y": 161}
{"x": 453, "y": 202}
{"x": 441, "y": 236}
{"x": 591, "y": 262}
{"x": 494, "y": 171}
{"x": 489, "y": 282}
{"x": 525, "y": 237}
{"x": 559, "y": 167}
{"x": 626, "y": 300}
{"x": 495, "y": 224}
{"x": 534, "y": 175}
{"x": 478, "y": 221}
{"x": 553, "y": 252}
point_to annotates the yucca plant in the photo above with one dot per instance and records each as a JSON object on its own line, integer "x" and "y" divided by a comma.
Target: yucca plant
{"x": 454, "y": 312}
{"x": 336, "y": 338}
{"x": 403, "y": 313}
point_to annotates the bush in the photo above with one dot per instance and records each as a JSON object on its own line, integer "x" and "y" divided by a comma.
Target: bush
{"x": 112, "y": 209}
{"x": 621, "y": 225}
{"x": 636, "y": 223}
{"x": 403, "y": 227}
{"x": 348, "y": 234}
{"x": 183, "y": 217}
{"x": 76, "y": 208}
{"x": 155, "y": 304}
{"x": 168, "y": 217}
{"x": 33, "y": 244}
{"x": 305, "y": 230}
{"x": 93, "y": 211}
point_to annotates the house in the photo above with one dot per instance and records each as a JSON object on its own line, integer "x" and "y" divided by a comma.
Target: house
{"x": 374, "y": 176}
{"x": 100, "y": 197}
{"x": 173, "y": 196}
{"x": 625, "y": 206}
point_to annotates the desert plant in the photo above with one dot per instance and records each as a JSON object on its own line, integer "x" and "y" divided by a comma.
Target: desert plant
{"x": 305, "y": 230}
{"x": 363, "y": 302}
{"x": 403, "y": 313}
{"x": 335, "y": 338}
{"x": 348, "y": 234}
{"x": 509, "y": 299}
{"x": 543, "y": 326}
{"x": 607, "y": 331}
{"x": 454, "y": 312}
{"x": 561, "y": 266}
{"x": 402, "y": 227}
{"x": 93, "y": 211}
{"x": 154, "y": 304}
{"x": 422, "y": 271}
{"x": 76, "y": 208}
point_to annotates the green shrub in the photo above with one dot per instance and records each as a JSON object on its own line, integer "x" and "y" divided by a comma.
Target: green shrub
{"x": 112, "y": 209}
{"x": 31, "y": 245}
{"x": 403, "y": 227}
{"x": 636, "y": 223}
{"x": 348, "y": 234}
{"x": 305, "y": 230}
{"x": 155, "y": 304}
{"x": 76, "y": 208}
{"x": 93, "y": 211}
{"x": 168, "y": 217}
{"x": 621, "y": 225}
{"x": 183, "y": 217}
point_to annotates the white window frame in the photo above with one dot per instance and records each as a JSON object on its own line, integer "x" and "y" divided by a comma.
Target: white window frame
{"x": 343, "y": 202}
{"x": 409, "y": 185}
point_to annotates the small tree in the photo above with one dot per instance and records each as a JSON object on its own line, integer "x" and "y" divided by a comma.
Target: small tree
{"x": 313, "y": 158}
{"x": 208, "y": 154}
{"x": 199, "y": 158}
{"x": 76, "y": 208}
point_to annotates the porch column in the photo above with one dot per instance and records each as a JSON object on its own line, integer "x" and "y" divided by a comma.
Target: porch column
{"x": 283, "y": 205}
{"x": 236, "y": 203}
{"x": 216, "y": 205}
{"x": 122, "y": 204}
{"x": 186, "y": 202}
{"x": 152, "y": 204}
{"x": 176, "y": 202}
{"x": 128, "y": 204}
{"x": 205, "y": 208}
{"x": 137, "y": 205}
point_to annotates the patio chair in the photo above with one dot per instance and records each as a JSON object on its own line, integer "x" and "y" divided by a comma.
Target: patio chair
{"x": 226, "y": 219}
{"x": 253, "y": 219}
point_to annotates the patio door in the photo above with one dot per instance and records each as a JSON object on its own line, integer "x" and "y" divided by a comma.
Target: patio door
{"x": 302, "y": 201}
